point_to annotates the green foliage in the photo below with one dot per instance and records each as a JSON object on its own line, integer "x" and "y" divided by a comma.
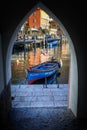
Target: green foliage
{"x": 45, "y": 31}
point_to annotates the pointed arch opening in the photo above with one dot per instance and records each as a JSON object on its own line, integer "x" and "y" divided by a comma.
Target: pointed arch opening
{"x": 73, "y": 72}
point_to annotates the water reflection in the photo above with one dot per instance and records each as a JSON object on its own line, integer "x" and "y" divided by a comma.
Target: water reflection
{"x": 37, "y": 56}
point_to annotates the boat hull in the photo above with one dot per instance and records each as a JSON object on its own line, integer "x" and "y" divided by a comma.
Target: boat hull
{"x": 33, "y": 76}
{"x": 41, "y": 71}
{"x": 49, "y": 80}
{"x": 52, "y": 43}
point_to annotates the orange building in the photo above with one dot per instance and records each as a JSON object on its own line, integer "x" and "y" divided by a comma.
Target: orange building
{"x": 34, "y": 19}
{"x": 38, "y": 19}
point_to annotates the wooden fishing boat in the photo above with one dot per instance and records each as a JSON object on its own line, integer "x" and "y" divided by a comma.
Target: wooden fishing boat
{"x": 49, "y": 80}
{"x": 42, "y": 70}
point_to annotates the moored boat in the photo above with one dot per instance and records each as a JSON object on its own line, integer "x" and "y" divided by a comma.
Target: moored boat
{"x": 42, "y": 70}
{"x": 52, "y": 42}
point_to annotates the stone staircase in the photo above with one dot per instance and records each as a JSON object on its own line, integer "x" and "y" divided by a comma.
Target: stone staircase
{"x": 39, "y": 95}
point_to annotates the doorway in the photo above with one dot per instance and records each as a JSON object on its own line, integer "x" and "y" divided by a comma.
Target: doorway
{"x": 73, "y": 63}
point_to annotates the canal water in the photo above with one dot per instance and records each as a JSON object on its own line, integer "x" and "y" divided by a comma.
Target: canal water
{"x": 22, "y": 59}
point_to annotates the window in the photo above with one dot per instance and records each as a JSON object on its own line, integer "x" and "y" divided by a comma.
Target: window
{"x": 34, "y": 20}
{"x": 34, "y": 13}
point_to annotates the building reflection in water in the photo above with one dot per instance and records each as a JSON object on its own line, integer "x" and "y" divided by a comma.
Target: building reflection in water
{"x": 37, "y": 56}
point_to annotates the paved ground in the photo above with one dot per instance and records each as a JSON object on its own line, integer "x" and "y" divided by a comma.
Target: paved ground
{"x": 41, "y": 118}
{"x": 37, "y": 108}
{"x": 39, "y": 95}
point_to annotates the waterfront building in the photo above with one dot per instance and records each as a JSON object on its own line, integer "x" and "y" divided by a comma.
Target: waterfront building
{"x": 38, "y": 19}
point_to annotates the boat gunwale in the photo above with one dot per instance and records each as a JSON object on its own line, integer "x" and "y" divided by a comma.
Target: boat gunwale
{"x": 55, "y": 66}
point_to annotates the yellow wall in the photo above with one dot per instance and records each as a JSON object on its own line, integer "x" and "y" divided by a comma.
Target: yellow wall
{"x": 44, "y": 19}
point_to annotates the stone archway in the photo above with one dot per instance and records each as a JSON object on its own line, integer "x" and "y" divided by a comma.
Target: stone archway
{"x": 73, "y": 77}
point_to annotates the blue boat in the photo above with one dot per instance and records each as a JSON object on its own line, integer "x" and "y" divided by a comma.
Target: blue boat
{"x": 49, "y": 80}
{"x": 52, "y": 42}
{"x": 42, "y": 71}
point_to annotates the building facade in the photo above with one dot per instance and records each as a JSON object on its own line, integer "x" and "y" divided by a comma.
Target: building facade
{"x": 38, "y": 19}
{"x": 34, "y": 19}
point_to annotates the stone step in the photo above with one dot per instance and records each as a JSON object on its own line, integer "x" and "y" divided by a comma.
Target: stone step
{"x": 38, "y": 96}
